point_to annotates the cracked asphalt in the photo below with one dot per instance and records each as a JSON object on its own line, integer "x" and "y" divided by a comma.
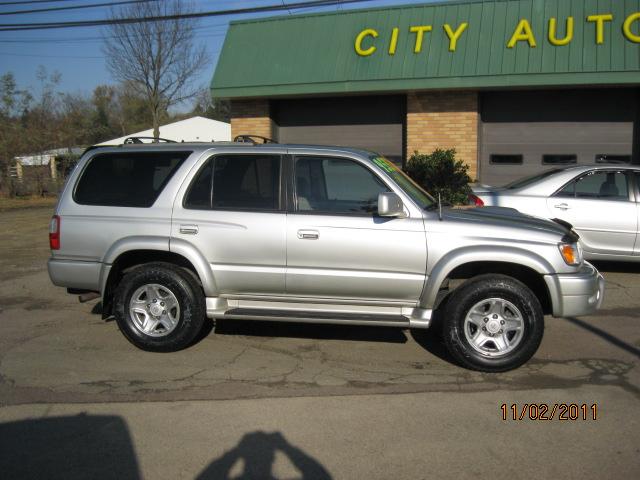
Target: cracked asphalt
{"x": 269, "y": 400}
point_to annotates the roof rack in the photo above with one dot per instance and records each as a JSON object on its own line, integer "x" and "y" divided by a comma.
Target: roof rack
{"x": 252, "y": 139}
{"x": 130, "y": 140}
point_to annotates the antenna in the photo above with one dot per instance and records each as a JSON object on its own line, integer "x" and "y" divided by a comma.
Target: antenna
{"x": 439, "y": 207}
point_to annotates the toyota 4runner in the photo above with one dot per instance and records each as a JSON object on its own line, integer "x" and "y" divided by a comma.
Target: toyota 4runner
{"x": 169, "y": 234}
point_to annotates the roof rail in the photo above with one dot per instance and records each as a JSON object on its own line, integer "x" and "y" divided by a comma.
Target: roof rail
{"x": 130, "y": 140}
{"x": 252, "y": 139}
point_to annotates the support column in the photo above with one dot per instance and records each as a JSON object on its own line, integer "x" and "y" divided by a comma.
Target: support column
{"x": 444, "y": 120}
{"x": 251, "y": 117}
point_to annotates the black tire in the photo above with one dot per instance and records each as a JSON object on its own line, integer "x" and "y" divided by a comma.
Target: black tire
{"x": 190, "y": 298}
{"x": 474, "y": 292}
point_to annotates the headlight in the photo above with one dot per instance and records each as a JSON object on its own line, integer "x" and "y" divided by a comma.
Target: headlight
{"x": 571, "y": 253}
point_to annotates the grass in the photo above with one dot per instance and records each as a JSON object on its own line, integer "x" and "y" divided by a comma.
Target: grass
{"x": 14, "y": 203}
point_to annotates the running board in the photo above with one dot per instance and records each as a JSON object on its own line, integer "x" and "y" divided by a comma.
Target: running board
{"x": 317, "y": 317}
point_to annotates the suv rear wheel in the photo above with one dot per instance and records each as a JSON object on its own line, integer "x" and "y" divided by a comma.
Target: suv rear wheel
{"x": 159, "y": 307}
{"x": 493, "y": 323}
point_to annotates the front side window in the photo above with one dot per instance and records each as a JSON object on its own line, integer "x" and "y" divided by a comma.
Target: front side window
{"x": 598, "y": 185}
{"x": 336, "y": 185}
{"x": 245, "y": 182}
{"x": 127, "y": 179}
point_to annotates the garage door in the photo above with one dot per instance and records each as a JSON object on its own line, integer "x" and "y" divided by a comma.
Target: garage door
{"x": 370, "y": 122}
{"x": 526, "y": 132}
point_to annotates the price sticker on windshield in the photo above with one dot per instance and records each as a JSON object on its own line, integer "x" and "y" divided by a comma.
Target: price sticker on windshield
{"x": 384, "y": 164}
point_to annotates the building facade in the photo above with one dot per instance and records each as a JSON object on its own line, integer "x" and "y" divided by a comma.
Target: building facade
{"x": 515, "y": 86}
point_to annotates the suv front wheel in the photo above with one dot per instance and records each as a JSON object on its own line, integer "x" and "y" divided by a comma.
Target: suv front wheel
{"x": 493, "y": 323}
{"x": 159, "y": 307}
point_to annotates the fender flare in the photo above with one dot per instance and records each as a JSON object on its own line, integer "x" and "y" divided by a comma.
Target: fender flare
{"x": 462, "y": 256}
{"x": 202, "y": 266}
{"x": 161, "y": 244}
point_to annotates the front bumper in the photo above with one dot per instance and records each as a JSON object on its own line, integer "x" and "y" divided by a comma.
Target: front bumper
{"x": 576, "y": 294}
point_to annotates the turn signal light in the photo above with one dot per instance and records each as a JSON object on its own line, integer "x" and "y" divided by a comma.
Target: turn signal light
{"x": 570, "y": 253}
{"x": 54, "y": 233}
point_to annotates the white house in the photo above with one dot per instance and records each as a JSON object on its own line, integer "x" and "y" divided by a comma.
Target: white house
{"x": 194, "y": 129}
{"x": 44, "y": 159}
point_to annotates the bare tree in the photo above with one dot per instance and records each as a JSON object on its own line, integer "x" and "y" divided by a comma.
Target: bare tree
{"x": 159, "y": 59}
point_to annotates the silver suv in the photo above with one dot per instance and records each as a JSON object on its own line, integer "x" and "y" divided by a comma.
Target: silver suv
{"x": 169, "y": 234}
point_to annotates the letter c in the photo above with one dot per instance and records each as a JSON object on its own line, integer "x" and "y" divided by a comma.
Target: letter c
{"x": 358, "y": 45}
{"x": 626, "y": 27}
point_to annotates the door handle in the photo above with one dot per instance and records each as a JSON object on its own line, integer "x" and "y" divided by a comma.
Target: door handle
{"x": 562, "y": 206}
{"x": 189, "y": 229}
{"x": 308, "y": 235}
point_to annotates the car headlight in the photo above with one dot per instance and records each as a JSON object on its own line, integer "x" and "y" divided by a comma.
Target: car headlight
{"x": 571, "y": 253}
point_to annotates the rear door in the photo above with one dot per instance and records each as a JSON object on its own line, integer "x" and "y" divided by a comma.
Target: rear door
{"x": 232, "y": 212}
{"x": 337, "y": 245}
{"x": 602, "y": 208}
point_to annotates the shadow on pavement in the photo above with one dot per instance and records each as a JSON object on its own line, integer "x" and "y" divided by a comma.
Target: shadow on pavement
{"x": 71, "y": 447}
{"x": 431, "y": 338}
{"x": 605, "y": 336}
{"x": 259, "y": 328}
{"x": 616, "y": 267}
{"x": 256, "y": 451}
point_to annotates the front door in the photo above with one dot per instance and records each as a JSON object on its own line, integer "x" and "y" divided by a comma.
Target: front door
{"x": 232, "y": 212}
{"x": 599, "y": 206}
{"x": 337, "y": 245}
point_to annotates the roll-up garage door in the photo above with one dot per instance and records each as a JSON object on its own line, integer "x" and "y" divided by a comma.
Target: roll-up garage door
{"x": 524, "y": 132}
{"x": 370, "y": 122}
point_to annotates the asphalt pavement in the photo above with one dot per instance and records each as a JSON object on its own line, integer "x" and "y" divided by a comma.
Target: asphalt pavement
{"x": 269, "y": 400}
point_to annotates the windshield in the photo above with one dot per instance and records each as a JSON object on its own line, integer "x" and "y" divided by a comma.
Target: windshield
{"x": 526, "y": 181}
{"x": 411, "y": 188}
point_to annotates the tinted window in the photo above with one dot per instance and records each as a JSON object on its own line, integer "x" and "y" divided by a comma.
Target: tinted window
{"x": 246, "y": 182}
{"x": 598, "y": 185}
{"x": 411, "y": 188}
{"x": 199, "y": 193}
{"x": 559, "y": 159}
{"x": 569, "y": 190}
{"x": 336, "y": 185}
{"x": 506, "y": 159}
{"x": 127, "y": 179}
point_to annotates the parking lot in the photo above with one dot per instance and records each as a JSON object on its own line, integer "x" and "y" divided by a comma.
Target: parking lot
{"x": 305, "y": 401}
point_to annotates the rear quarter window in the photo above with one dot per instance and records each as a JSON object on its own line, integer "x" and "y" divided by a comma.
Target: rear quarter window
{"x": 127, "y": 179}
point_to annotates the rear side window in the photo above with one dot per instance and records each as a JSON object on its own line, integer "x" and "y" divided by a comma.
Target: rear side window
{"x": 245, "y": 182}
{"x": 127, "y": 179}
{"x": 601, "y": 185}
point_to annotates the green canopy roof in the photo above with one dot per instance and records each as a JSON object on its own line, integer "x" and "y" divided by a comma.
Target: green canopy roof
{"x": 504, "y": 43}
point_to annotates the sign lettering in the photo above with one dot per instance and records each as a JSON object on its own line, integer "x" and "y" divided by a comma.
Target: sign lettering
{"x": 366, "y": 44}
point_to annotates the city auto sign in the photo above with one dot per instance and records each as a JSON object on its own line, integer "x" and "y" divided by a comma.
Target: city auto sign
{"x": 365, "y": 42}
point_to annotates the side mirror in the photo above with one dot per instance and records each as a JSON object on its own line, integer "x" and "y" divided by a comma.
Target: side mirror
{"x": 390, "y": 205}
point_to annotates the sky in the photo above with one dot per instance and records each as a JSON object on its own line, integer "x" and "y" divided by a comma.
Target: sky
{"x": 76, "y": 53}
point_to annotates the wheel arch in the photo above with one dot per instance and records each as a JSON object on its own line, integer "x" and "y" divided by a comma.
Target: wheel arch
{"x": 467, "y": 263}
{"x": 129, "y": 253}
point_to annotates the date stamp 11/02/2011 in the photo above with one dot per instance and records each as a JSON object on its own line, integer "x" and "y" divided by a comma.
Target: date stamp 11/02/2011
{"x": 549, "y": 411}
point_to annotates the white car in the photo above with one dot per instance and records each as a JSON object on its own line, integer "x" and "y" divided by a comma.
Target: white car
{"x": 602, "y": 202}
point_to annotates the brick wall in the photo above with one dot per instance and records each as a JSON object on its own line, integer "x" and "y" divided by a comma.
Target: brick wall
{"x": 251, "y": 117}
{"x": 444, "y": 120}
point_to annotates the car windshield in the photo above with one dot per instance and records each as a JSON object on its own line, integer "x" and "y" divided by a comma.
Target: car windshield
{"x": 411, "y": 188}
{"x": 526, "y": 181}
